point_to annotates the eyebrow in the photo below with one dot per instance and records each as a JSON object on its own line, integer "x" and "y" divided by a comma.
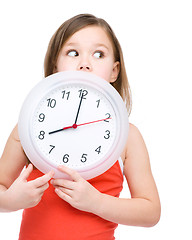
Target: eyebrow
{"x": 102, "y": 45}
{"x": 95, "y": 45}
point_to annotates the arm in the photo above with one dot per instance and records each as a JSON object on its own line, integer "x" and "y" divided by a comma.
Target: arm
{"x": 143, "y": 209}
{"x": 15, "y": 192}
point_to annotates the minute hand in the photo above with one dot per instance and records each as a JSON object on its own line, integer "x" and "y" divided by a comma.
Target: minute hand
{"x": 78, "y": 109}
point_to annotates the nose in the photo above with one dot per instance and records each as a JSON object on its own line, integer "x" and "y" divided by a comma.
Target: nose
{"x": 85, "y": 68}
{"x": 84, "y": 65}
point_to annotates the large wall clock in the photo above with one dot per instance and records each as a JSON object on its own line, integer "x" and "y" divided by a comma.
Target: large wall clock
{"x": 75, "y": 119}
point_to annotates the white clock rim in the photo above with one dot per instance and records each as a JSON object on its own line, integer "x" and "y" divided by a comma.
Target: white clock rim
{"x": 55, "y": 81}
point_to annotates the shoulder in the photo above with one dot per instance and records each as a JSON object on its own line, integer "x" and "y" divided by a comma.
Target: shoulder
{"x": 134, "y": 133}
{"x": 136, "y": 163}
{"x": 15, "y": 135}
{"x": 135, "y": 139}
{"x": 135, "y": 143}
{"x": 136, "y": 157}
{"x": 13, "y": 159}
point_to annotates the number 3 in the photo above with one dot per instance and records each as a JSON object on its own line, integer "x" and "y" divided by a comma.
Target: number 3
{"x": 107, "y": 136}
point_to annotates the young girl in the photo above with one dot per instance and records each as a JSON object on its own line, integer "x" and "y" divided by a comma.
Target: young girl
{"x": 81, "y": 209}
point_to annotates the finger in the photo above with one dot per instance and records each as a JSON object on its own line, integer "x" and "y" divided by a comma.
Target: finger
{"x": 75, "y": 176}
{"x": 42, "y": 189}
{"x": 69, "y": 192}
{"x": 26, "y": 172}
{"x": 43, "y": 180}
{"x": 63, "y": 183}
{"x": 63, "y": 195}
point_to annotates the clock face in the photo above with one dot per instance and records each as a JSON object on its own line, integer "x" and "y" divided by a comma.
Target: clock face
{"x": 60, "y": 141}
{"x": 75, "y": 119}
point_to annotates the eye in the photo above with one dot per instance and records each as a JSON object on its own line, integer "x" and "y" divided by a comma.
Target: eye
{"x": 72, "y": 53}
{"x": 98, "y": 54}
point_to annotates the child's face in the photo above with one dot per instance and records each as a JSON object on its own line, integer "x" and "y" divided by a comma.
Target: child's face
{"x": 90, "y": 50}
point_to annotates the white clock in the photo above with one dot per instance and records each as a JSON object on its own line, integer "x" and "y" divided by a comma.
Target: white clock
{"x": 75, "y": 119}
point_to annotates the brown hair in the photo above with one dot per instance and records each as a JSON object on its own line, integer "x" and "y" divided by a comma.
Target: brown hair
{"x": 71, "y": 26}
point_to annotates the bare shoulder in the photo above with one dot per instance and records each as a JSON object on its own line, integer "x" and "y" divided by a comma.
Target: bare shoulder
{"x": 14, "y": 138}
{"x": 14, "y": 134}
{"x": 12, "y": 160}
{"x": 135, "y": 144}
{"x": 135, "y": 140}
{"x": 135, "y": 152}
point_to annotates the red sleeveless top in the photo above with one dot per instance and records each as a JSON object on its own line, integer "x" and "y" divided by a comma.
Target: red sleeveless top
{"x": 55, "y": 219}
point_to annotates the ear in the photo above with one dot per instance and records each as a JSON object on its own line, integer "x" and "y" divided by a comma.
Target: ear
{"x": 115, "y": 72}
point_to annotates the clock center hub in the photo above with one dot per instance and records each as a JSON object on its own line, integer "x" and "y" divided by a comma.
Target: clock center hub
{"x": 74, "y": 126}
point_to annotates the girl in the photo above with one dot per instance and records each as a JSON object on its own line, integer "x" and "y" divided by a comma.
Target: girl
{"x": 81, "y": 209}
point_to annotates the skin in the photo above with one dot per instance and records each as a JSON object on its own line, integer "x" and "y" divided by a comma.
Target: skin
{"x": 89, "y": 50}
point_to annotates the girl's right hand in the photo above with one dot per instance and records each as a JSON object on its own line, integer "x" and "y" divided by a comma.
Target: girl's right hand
{"x": 22, "y": 194}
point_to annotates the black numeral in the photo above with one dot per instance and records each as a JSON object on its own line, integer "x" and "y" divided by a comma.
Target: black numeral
{"x": 98, "y": 102}
{"x": 108, "y": 116}
{"x": 98, "y": 150}
{"x": 84, "y": 92}
{"x": 84, "y": 157}
{"x": 65, "y": 95}
{"x": 41, "y": 135}
{"x": 41, "y": 117}
{"x": 107, "y": 136}
{"x": 52, "y": 147}
{"x": 51, "y": 103}
{"x": 66, "y": 158}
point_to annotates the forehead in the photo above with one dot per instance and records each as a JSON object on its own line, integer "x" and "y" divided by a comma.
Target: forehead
{"x": 90, "y": 35}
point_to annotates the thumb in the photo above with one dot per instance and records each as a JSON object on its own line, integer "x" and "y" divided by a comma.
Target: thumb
{"x": 25, "y": 174}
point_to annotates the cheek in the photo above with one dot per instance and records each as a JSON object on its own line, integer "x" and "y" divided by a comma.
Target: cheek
{"x": 105, "y": 76}
{"x": 104, "y": 73}
{"x": 64, "y": 65}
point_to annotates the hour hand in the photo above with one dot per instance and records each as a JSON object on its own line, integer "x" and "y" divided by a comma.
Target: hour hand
{"x": 61, "y": 129}
{"x": 75, "y": 125}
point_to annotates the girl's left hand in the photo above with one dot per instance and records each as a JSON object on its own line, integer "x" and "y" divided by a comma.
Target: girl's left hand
{"x": 77, "y": 192}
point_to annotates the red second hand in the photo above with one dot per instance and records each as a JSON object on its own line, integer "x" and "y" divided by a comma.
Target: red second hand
{"x": 75, "y": 125}
{"x": 93, "y": 122}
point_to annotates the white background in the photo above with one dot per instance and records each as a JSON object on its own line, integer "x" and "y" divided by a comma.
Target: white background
{"x": 156, "y": 37}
